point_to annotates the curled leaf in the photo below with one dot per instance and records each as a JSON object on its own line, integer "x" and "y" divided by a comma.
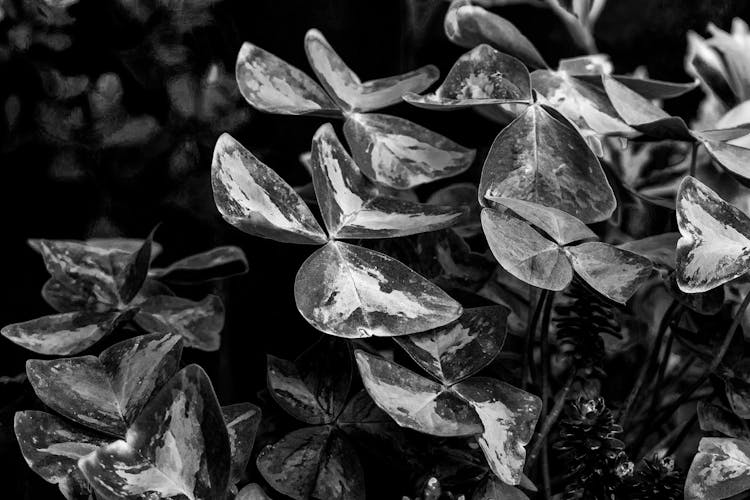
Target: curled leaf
{"x": 217, "y": 263}
{"x": 253, "y": 198}
{"x": 273, "y": 85}
{"x": 353, "y": 292}
{"x": 242, "y": 421}
{"x": 481, "y": 76}
{"x": 401, "y": 154}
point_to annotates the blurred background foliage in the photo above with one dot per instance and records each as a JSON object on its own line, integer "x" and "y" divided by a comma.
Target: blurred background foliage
{"x": 110, "y": 110}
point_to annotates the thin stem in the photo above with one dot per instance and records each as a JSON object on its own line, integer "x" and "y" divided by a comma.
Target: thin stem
{"x": 550, "y": 420}
{"x": 646, "y": 368}
{"x": 663, "y": 364}
{"x": 546, "y": 483}
{"x": 528, "y": 358}
{"x": 694, "y": 159}
{"x": 545, "y": 355}
{"x": 718, "y": 358}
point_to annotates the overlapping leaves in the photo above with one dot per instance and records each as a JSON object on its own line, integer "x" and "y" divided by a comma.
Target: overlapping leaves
{"x": 341, "y": 289}
{"x": 458, "y": 404}
{"x": 392, "y": 151}
{"x": 132, "y": 391}
{"x": 549, "y": 263}
{"x": 98, "y": 285}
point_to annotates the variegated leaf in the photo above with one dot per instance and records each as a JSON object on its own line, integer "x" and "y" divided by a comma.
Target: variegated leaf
{"x": 361, "y": 413}
{"x": 708, "y": 66}
{"x": 64, "y": 299}
{"x": 133, "y": 275}
{"x": 462, "y": 194}
{"x": 414, "y": 401}
{"x": 253, "y": 198}
{"x": 706, "y": 303}
{"x": 542, "y": 158}
{"x": 401, "y": 154}
{"x": 349, "y": 91}
{"x": 270, "y": 84}
{"x": 713, "y": 418}
{"x": 720, "y": 469}
{"x": 583, "y": 104}
{"x": 66, "y": 333}
{"x": 353, "y": 292}
{"x": 460, "y": 349}
{"x": 715, "y": 243}
{"x": 525, "y": 253}
{"x": 560, "y": 226}
{"x": 482, "y": 76}
{"x": 494, "y": 489}
{"x": 470, "y": 25}
{"x": 590, "y": 64}
{"x": 735, "y": 159}
{"x": 52, "y": 447}
{"x": 352, "y": 207}
{"x": 199, "y": 323}
{"x": 242, "y": 421}
{"x": 314, "y": 462}
{"x": 659, "y": 249}
{"x": 127, "y": 245}
{"x": 615, "y": 273}
{"x": 642, "y": 115}
{"x": 252, "y": 491}
{"x": 178, "y": 445}
{"x": 509, "y": 416}
{"x": 106, "y": 393}
{"x": 217, "y": 263}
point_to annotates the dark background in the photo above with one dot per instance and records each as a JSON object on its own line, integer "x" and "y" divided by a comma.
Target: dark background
{"x": 126, "y": 191}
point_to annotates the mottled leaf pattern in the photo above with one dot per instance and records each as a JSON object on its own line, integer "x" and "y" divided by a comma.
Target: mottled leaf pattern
{"x": 471, "y": 25}
{"x": 481, "y": 76}
{"x": 253, "y": 198}
{"x": 217, "y": 263}
{"x": 349, "y": 91}
{"x": 525, "y": 253}
{"x": 401, "y": 154}
{"x": 414, "y": 401}
{"x": 199, "y": 323}
{"x": 106, "y": 393}
{"x": 353, "y": 292}
{"x": 314, "y": 462}
{"x": 352, "y": 207}
{"x": 178, "y": 445}
{"x": 559, "y": 225}
{"x": 273, "y": 85}
{"x": 713, "y": 418}
{"x": 720, "y": 469}
{"x": 615, "y": 273}
{"x": 242, "y": 421}
{"x": 64, "y": 334}
{"x": 542, "y": 158}
{"x": 460, "y": 349}
{"x": 52, "y": 447}
{"x": 715, "y": 243}
{"x": 509, "y": 416}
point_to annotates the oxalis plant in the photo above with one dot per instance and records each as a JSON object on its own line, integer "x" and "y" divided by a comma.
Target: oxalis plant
{"x": 547, "y": 342}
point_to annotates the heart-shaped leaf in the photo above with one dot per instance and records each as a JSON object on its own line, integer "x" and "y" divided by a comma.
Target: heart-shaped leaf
{"x": 106, "y": 393}
{"x": 314, "y": 388}
{"x": 715, "y": 243}
{"x": 353, "y": 292}
{"x": 273, "y": 85}
{"x": 615, "y": 273}
{"x": 414, "y": 401}
{"x": 713, "y": 418}
{"x": 469, "y": 25}
{"x": 559, "y": 225}
{"x": 198, "y": 323}
{"x": 642, "y": 115}
{"x": 242, "y": 421}
{"x": 252, "y": 491}
{"x": 525, "y": 253}
{"x": 350, "y": 206}
{"x": 66, "y": 333}
{"x": 217, "y": 263}
{"x": 178, "y": 445}
{"x": 314, "y": 462}
{"x": 542, "y": 158}
{"x": 509, "y": 416}
{"x": 582, "y": 103}
{"x": 401, "y": 154}
{"x": 253, "y": 198}
{"x": 458, "y": 350}
{"x": 482, "y": 76}
{"x": 720, "y": 469}
{"x": 52, "y": 447}
{"x": 348, "y": 90}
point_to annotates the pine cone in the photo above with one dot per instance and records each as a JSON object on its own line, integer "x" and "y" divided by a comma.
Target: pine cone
{"x": 656, "y": 479}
